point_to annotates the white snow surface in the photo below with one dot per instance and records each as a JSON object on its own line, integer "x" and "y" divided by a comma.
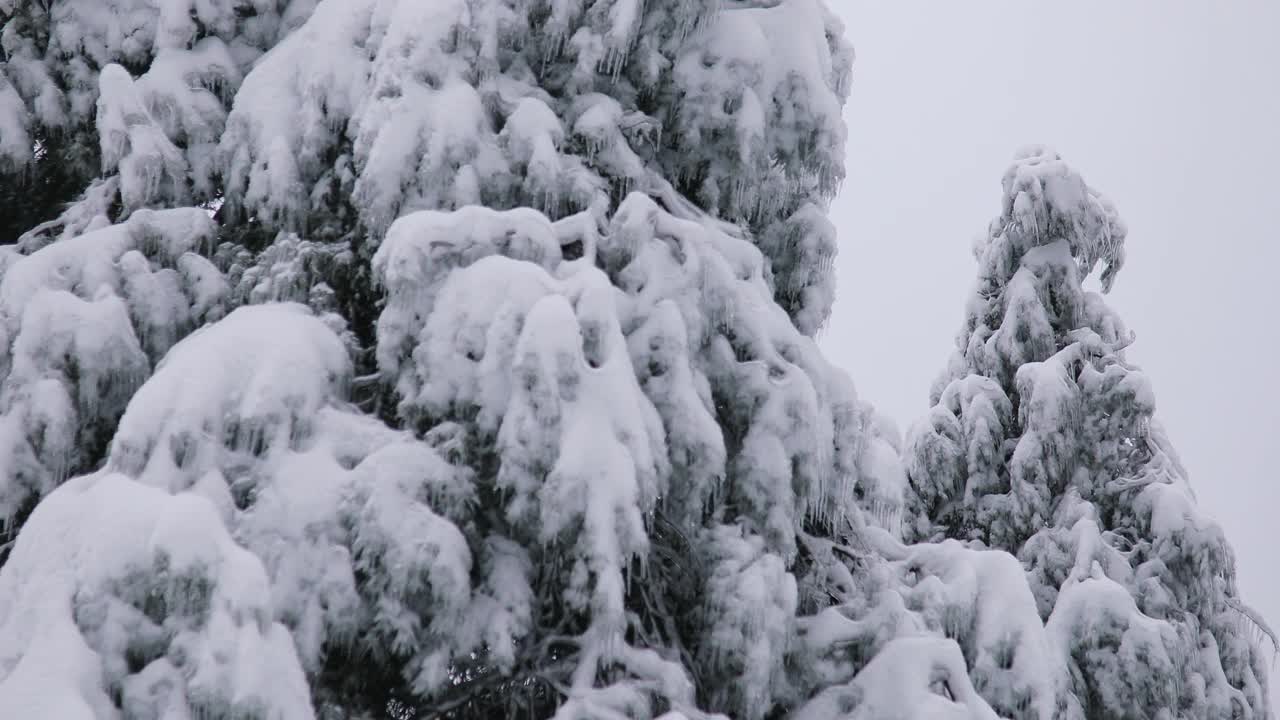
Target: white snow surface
{"x": 74, "y": 599}
{"x": 82, "y": 320}
{"x": 250, "y": 383}
{"x": 914, "y": 678}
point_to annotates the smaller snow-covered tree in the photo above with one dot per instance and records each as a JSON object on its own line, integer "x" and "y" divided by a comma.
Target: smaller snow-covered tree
{"x": 1042, "y": 441}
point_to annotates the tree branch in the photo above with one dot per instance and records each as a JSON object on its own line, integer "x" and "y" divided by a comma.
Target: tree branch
{"x": 749, "y": 4}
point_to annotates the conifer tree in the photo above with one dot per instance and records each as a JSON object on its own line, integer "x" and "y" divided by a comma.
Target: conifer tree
{"x": 1042, "y": 441}
{"x": 421, "y": 357}
{"x": 455, "y": 358}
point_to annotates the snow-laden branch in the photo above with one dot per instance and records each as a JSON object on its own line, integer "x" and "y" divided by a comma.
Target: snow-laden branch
{"x": 749, "y": 4}
{"x": 1254, "y": 621}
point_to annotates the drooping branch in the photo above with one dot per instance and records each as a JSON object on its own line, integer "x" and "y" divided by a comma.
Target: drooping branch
{"x": 1255, "y": 622}
{"x": 749, "y": 4}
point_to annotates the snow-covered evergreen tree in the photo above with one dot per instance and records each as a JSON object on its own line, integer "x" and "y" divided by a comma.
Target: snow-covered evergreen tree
{"x": 1042, "y": 441}
{"x": 455, "y": 358}
{"x": 418, "y": 357}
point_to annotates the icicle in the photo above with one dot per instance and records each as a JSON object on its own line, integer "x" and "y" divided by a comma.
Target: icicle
{"x": 1255, "y": 623}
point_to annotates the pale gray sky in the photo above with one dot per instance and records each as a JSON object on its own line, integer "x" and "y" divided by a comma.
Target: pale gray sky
{"x": 1172, "y": 108}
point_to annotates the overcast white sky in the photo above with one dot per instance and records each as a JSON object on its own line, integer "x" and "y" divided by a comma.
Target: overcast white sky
{"x": 1170, "y": 108}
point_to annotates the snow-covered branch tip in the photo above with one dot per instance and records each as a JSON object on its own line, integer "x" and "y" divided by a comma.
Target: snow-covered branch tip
{"x": 1255, "y": 624}
{"x": 749, "y": 4}
{"x": 679, "y": 206}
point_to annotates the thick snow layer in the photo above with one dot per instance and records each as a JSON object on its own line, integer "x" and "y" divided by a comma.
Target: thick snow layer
{"x": 758, "y": 59}
{"x": 75, "y": 365}
{"x": 109, "y": 574}
{"x": 414, "y": 264}
{"x": 389, "y": 81}
{"x": 83, "y": 319}
{"x": 982, "y": 600}
{"x": 659, "y": 347}
{"x": 285, "y": 115}
{"x": 421, "y": 108}
{"x": 86, "y": 263}
{"x": 151, "y": 167}
{"x": 246, "y": 385}
{"x": 751, "y": 599}
{"x": 882, "y": 484}
{"x": 915, "y": 678}
{"x": 778, "y": 396}
{"x": 462, "y": 285}
{"x": 60, "y": 93}
{"x": 15, "y": 141}
{"x": 583, "y": 448}
{"x": 185, "y": 92}
{"x": 358, "y": 526}
{"x": 410, "y": 106}
{"x": 65, "y": 77}
{"x": 603, "y": 402}
{"x": 1047, "y": 200}
{"x": 1125, "y": 654}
